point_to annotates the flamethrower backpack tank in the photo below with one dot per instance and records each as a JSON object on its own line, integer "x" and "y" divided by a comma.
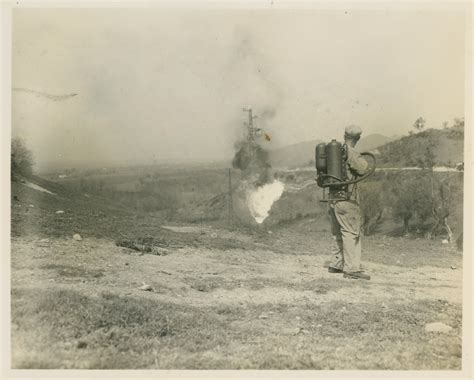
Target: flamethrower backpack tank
{"x": 332, "y": 173}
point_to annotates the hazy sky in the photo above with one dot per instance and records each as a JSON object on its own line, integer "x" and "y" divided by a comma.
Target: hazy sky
{"x": 170, "y": 84}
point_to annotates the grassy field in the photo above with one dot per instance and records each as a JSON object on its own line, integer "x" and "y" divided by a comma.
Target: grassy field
{"x": 224, "y": 296}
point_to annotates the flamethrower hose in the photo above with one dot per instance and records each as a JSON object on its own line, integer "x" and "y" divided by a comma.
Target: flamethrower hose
{"x": 355, "y": 180}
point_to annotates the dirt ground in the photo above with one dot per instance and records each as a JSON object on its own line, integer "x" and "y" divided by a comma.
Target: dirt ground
{"x": 232, "y": 300}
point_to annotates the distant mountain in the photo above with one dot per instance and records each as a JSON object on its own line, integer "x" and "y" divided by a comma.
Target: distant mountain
{"x": 302, "y": 154}
{"x": 296, "y": 155}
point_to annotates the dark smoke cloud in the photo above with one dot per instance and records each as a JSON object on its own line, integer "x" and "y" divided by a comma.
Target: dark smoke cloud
{"x": 253, "y": 161}
{"x": 264, "y": 96}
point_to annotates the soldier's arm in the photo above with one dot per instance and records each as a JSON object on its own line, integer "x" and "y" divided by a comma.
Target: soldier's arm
{"x": 356, "y": 162}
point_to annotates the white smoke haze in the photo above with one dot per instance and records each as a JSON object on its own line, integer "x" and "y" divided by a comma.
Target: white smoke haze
{"x": 170, "y": 84}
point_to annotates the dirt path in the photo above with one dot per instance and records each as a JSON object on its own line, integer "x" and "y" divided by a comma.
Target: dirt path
{"x": 279, "y": 293}
{"x": 233, "y": 276}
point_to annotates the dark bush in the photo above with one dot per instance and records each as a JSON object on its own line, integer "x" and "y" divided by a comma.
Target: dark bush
{"x": 21, "y": 159}
{"x": 410, "y": 197}
{"x": 372, "y": 204}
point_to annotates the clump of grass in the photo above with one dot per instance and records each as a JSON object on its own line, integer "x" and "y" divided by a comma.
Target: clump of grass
{"x": 205, "y": 284}
{"x": 112, "y": 325}
{"x": 74, "y": 271}
{"x": 111, "y": 331}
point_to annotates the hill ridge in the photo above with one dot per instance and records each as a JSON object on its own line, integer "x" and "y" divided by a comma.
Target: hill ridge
{"x": 302, "y": 153}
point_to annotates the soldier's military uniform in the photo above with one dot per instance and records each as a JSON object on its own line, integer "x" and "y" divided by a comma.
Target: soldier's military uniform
{"x": 346, "y": 219}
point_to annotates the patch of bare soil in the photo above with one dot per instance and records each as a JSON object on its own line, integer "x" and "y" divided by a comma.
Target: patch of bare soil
{"x": 224, "y": 299}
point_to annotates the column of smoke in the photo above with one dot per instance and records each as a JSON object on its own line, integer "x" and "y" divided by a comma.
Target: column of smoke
{"x": 252, "y": 158}
{"x": 259, "y": 86}
{"x": 260, "y": 187}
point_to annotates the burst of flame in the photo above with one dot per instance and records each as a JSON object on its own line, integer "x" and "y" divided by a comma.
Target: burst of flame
{"x": 261, "y": 199}
{"x": 267, "y": 137}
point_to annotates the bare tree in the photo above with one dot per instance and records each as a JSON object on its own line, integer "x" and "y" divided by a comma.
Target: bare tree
{"x": 419, "y": 124}
{"x": 441, "y": 195}
{"x": 458, "y": 122}
{"x": 442, "y": 204}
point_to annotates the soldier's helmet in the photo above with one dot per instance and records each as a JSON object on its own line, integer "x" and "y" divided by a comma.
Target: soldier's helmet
{"x": 352, "y": 132}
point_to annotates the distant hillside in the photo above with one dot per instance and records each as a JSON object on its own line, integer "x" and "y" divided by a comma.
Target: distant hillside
{"x": 372, "y": 141}
{"x": 446, "y": 145}
{"x": 302, "y": 154}
{"x": 296, "y": 155}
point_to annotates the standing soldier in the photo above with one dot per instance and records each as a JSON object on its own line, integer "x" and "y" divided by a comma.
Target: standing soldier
{"x": 345, "y": 215}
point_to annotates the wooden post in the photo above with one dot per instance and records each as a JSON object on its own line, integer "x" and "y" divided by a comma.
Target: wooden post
{"x": 229, "y": 198}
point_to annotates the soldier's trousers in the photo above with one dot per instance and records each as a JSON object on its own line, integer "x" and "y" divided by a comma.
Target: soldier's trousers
{"x": 345, "y": 218}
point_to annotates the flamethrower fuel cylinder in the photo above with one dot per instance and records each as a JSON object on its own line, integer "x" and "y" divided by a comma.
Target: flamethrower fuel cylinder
{"x": 321, "y": 159}
{"x": 334, "y": 159}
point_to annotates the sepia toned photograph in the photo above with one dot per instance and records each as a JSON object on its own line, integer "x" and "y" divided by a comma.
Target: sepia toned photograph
{"x": 238, "y": 187}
